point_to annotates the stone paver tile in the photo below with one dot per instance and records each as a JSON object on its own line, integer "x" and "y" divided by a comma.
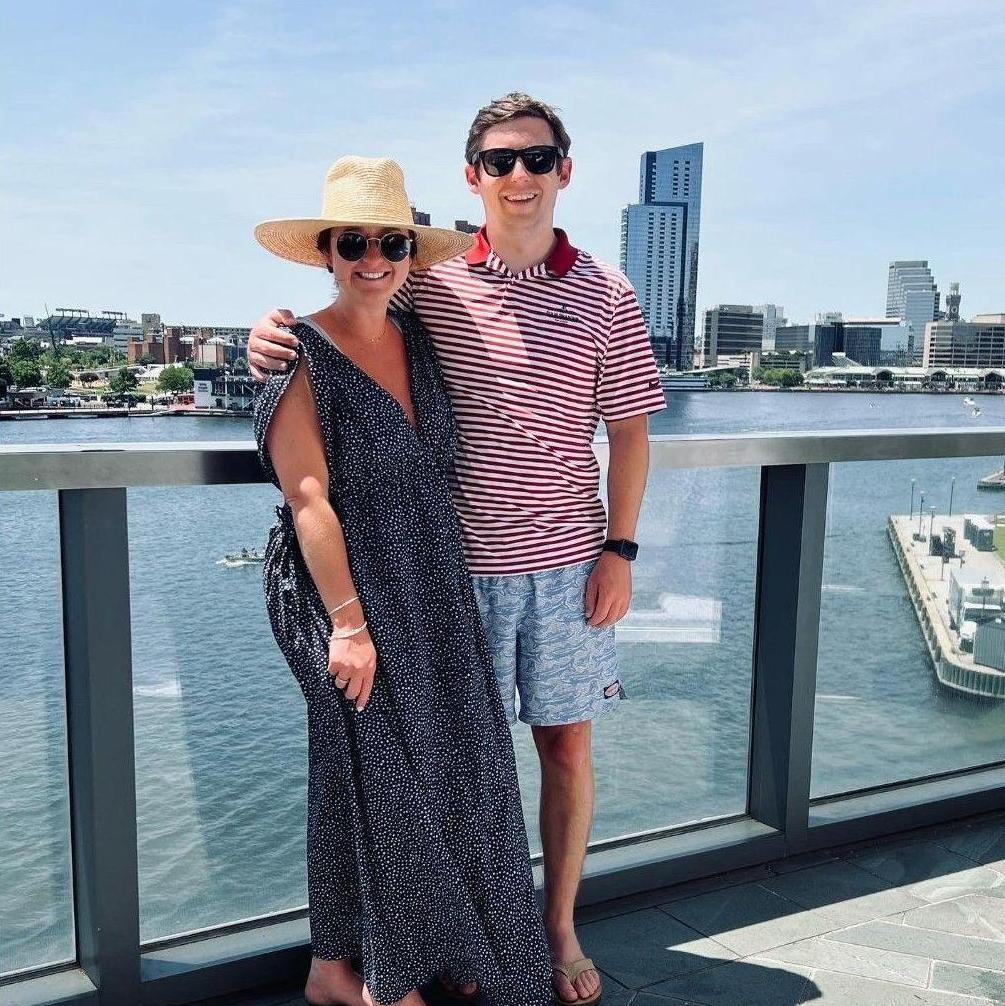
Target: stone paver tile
{"x": 833, "y": 989}
{"x": 926, "y": 943}
{"x": 984, "y": 844}
{"x": 969, "y": 981}
{"x": 804, "y": 860}
{"x": 749, "y": 919}
{"x": 972, "y": 915}
{"x": 844, "y": 892}
{"x": 741, "y": 983}
{"x": 646, "y": 947}
{"x": 930, "y": 872}
{"x": 847, "y": 958}
{"x": 719, "y": 882}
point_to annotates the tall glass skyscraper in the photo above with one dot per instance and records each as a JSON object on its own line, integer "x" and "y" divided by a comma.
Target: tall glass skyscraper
{"x": 911, "y": 295}
{"x": 659, "y": 249}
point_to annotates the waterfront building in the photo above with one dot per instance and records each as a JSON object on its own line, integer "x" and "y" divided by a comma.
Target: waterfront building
{"x": 731, "y": 332}
{"x": 659, "y": 249}
{"x": 465, "y": 228}
{"x": 793, "y": 337}
{"x": 774, "y": 318}
{"x": 953, "y": 302}
{"x": 420, "y": 218}
{"x": 774, "y": 359}
{"x": 979, "y": 342}
{"x": 911, "y": 294}
{"x": 845, "y": 373}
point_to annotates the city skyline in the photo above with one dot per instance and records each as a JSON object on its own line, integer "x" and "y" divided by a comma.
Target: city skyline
{"x": 131, "y": 179}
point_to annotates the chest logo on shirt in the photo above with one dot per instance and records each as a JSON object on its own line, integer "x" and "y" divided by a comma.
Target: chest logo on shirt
{"x": 562, "y": 313}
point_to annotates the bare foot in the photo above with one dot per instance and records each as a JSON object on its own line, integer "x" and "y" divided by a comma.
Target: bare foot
{"x": 412, "y": 999}
{"x": 333, "y": 983}
{"x": 468, "y": 989}
{"x": 565, "y": 949}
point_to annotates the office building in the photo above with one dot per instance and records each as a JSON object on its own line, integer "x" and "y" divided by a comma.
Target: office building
{"x": 979, "y": 342}
{"x": 793, "y": 338}
{"x": 774, "y": 318}
{"x": 953, "y": 302}
{"x": 911, "y": 295}
{"x": 420, "y": 218}
{"x": 731, "y": 333}
{"x": 659, "y": 249}
{"x": 465, "y": 228}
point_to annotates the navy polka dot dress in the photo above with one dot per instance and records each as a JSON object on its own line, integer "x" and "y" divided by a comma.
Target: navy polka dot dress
{"x": 417, "y": 852}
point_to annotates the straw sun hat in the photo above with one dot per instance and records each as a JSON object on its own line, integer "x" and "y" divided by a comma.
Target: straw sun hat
{"x": 360, "y": 192}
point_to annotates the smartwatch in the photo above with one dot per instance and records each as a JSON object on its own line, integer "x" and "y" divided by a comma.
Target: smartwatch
{"x": 623, "y": 547}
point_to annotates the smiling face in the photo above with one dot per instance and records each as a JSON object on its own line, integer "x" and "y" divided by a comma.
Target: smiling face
{"x": 520, "y": 200}
{"x": 373, "y": 275}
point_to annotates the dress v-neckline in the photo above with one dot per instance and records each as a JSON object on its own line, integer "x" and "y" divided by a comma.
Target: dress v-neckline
{"x": 367, "y": 376}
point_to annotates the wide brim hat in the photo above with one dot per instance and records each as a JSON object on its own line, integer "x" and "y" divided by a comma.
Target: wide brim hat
{"x": 360, "y": 192}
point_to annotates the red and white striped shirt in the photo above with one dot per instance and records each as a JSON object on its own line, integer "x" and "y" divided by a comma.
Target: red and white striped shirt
{"x": 533, "y": 361}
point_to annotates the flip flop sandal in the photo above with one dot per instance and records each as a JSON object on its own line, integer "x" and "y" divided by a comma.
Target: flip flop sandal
{"x": 572, "y": 971}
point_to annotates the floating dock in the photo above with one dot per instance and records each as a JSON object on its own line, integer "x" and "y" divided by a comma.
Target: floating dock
{"x": 928, "y": 587}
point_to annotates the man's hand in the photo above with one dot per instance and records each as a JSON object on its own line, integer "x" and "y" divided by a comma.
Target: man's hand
{"x": 269, "y": 347}
{"x": 608, "y": 590}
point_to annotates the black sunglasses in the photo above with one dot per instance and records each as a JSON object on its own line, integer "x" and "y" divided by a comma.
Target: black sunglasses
{"x": 395, "y": 247}
{"x": 537, "y": 160}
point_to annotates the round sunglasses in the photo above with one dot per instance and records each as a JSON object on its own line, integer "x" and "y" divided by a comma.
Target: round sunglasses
{"x": 538, "y": 160}
{"x": 395, "y": 247}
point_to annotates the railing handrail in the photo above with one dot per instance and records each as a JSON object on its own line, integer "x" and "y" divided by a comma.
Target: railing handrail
{"x": 224, "y": 462}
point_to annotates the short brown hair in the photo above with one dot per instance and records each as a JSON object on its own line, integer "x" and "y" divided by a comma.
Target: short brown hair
{"x": 515, "y": 105}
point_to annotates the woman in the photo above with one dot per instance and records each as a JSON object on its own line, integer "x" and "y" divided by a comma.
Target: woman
{"x": 417, "y": 854}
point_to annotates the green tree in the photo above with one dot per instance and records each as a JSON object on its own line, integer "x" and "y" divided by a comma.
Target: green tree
{"x": 87, "y": 377}
{"x": 146, "y": 358}
{"x": 791, "y": 379}
{"x": 123, "y": 381}
{"x": 6, "y": 377}
{"x": 175, "y": 379}
{"x": 25, "y": 349}
{"x": 240, "y": 365}
{"x": 57, "y": 374}
{"x": 26, "y": 373}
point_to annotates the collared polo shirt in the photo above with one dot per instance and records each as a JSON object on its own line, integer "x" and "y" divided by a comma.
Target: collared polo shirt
{"x": 533, "y": 361}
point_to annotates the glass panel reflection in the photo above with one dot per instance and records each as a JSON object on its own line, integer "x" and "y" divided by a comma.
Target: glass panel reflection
{"x": 220, "y": 734}
{"x": 910, "y": 660}
{"x": 36, "y": 913}
{"x": 676, "y": 751}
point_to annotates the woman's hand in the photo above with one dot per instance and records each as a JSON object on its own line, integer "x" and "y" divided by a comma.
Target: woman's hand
{"x": 352, "y": 663}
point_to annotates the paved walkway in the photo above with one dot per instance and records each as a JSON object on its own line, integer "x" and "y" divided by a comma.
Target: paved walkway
{"x": 916, "y": 919}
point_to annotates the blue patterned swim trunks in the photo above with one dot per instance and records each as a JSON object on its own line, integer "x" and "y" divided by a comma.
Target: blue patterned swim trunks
{"x": 564, "y": 670}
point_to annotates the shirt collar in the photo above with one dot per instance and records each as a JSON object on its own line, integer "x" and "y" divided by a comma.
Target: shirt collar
{"x": 559, "y": 261}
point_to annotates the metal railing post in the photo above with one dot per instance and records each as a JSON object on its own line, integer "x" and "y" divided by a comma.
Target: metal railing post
{"x": 790, "y": 551}
{"x": 94, "y": 550}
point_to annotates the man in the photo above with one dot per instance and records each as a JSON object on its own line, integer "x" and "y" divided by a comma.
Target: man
{"x": 538, "y": 341}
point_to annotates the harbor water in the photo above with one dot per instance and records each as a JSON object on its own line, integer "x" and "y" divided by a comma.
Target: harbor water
{"x": 220, "y": 742}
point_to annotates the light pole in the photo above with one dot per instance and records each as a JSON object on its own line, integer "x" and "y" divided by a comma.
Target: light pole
{"x": 984, "y": 594}
{"x": 921, "y": 508}
{"x": 952, "y": 487}
{"x": 931, "y": 525}
{"x": 912, "y": 497}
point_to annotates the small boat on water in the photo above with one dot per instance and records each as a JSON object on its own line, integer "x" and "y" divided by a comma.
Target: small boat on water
{"x": 245, "y": 557}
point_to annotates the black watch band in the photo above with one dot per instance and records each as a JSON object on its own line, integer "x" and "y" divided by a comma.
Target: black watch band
{"x": 623, "y": 547}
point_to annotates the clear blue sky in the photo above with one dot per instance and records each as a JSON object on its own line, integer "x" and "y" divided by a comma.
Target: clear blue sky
{"x": 141, "y": 142}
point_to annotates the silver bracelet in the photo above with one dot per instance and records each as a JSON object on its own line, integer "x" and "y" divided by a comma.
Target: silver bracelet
{"x": 344, "y": 604}
{"x": 348, "y": 633}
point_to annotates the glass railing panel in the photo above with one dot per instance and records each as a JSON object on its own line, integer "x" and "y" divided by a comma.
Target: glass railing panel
{"x": 911, "y": 673}
{"x": 220, "y": 724}
{"x": 676, "y": 751}
{"x": 36, "y": 898}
